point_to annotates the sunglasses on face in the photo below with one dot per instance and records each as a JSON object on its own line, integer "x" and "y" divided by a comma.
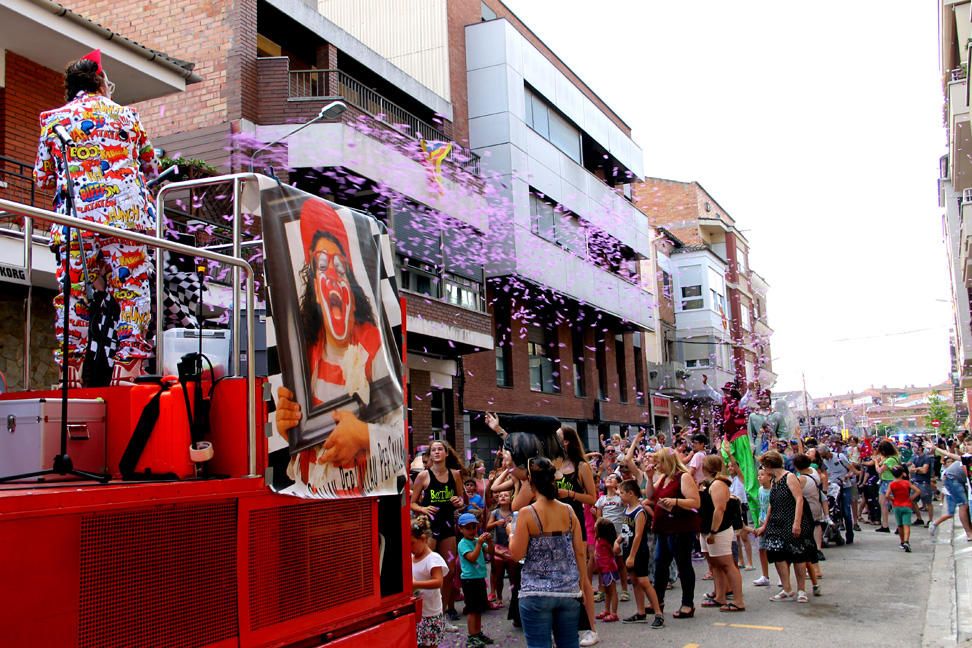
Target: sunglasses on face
{"x": 323, "y": 260}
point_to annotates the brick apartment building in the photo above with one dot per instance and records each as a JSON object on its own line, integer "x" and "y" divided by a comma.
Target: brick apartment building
{"x": 722, "y": 331}
{"x": 35, "y": 45}
{"x": 268, "y": 65}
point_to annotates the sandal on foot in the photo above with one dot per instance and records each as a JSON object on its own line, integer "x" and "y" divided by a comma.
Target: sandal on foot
{"x": 782, "y": 595}
{"x": 731, "y": 607}
{"x": 682, "y": 614}
{"x": 711, "y": 603}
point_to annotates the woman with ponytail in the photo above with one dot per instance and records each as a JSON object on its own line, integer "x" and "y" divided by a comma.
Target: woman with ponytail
{"x": 548, "y": 540}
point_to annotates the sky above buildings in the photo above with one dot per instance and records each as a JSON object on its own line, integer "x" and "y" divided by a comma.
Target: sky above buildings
{"x": 818, "y": 127}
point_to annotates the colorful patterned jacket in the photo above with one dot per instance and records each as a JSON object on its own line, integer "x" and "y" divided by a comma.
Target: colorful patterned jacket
{"x": 109, "y": 161}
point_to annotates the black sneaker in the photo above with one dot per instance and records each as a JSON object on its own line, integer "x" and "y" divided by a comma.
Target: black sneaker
{"x": 636, "y": 618}
{"x": 484, "y": 639}
{"x": 883, "y": 530}
{"x": 473, "y": 641}
{"x": 659, "y": 622}
{"x": 907, "y": 547}
{"x": 452, "y": 615}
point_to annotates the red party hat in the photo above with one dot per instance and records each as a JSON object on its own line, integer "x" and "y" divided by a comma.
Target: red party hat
{"x": 95, "y": 56}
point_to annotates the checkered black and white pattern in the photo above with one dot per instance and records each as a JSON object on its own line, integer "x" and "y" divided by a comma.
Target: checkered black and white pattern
{"x": 181, "y": 298}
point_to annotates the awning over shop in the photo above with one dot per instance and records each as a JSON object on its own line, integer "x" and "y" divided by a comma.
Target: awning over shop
{"x": 52, "y": 35}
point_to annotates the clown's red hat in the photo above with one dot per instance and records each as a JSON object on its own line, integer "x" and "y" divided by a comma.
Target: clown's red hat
{"x": 94, "y": 56}
{"x": 317, "y": 216}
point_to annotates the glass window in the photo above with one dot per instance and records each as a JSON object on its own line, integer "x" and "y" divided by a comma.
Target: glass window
{"x": 537, "y": 113}
{"x": 744, "y": 316}
{"x": 462, "y": 292}
{"x": 639, "y": 367}
{"x": 577, "y": 347}
{"x": 692, "y": 298}
{"x": 600, "y": 360}
{"x": 552, "y": 126}
{"x": 666, "y": 284}
{"x": 619, "y": 358}
{"x": 417, "y": 235}
{"x": 564, "y": 136}
{"x": 463, "y": 251}
{"x": 690, "y": 288}
{"x": 418, "y": 277}
{"x": 541, "y": 345}
{"x": 543, "y": 219}
{"x": 504, "y": 346}
{"x": 571, "y": 234}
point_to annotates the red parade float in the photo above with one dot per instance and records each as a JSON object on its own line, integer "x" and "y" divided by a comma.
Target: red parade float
{"x": 171, "y": 547}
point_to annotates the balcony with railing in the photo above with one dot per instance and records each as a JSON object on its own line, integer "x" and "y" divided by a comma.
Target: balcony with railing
{"x": 295, "y": 96}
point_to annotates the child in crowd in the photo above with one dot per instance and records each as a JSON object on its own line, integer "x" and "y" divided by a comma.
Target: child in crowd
{"x": 738, "y": 489}
{"x": 604, "y": 563}
{"x": 765, "y": 483}
{"x": 428, "y": 572}
{"x": 472, "y": 562}
{"x": 502, "y": 562}
{"x": 609, "y": 506}
{"x": 635, "y": 544}
{"x": 903, "y": 493}
{"x": 476, "y": 503}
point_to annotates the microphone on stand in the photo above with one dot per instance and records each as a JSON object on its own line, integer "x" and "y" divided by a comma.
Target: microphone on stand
{"x": 63, "y": 135}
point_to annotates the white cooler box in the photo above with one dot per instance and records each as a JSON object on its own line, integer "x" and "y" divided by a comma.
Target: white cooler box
{"x": 178, "y": 342}
{"x": 30, "y": 434}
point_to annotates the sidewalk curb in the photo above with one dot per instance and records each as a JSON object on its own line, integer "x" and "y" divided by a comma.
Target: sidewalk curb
{"x": 950, "y": 593}
{"x": 941, "y": 622}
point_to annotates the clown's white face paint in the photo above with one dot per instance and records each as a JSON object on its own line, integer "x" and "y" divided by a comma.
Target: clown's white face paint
{"x": 333, "y": 291}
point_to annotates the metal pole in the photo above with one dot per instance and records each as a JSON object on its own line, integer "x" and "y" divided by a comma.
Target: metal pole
{"x": 159, "y": 286}
{"x": 806, "y": 403}
{"x": 28, "y": 303}
{"x": 236, "y": 286}
{"x": 250, "y": 371}
{"x": 160, "y": 229}
{"x": 158, "y": 244}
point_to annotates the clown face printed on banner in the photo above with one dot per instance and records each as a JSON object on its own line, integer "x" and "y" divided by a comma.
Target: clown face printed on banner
{"x": 336, "y": 314}
{"x": 339, "y": 400}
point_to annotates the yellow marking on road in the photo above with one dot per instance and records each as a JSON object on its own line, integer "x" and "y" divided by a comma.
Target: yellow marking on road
{"x": 749, "y": 627}
{"x": 691, "y": 646}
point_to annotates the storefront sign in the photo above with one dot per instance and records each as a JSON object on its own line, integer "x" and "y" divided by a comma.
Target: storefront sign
{"x": 13, "y": 274}
{"x": 661, "y": 405}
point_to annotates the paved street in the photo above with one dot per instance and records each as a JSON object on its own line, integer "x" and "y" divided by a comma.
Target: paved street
{"x": 873, "y": 595}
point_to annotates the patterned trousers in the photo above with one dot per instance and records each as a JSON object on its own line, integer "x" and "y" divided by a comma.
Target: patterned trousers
{"x": 126, "y": 274}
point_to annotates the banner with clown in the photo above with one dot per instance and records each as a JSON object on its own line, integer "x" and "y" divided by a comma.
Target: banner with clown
{"x": 338, "y": 419}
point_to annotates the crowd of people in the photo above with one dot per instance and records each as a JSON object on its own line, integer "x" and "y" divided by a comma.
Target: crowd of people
{"x": 573, "y": 531}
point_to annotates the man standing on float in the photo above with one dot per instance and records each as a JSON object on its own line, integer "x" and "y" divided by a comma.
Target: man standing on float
{"x": 108, "y": 159}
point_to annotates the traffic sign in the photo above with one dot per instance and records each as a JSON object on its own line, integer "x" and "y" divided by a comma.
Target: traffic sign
{"x": 936, "y": 423}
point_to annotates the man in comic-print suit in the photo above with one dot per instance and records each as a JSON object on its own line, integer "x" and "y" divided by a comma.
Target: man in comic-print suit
{"x": 108, "y": 162}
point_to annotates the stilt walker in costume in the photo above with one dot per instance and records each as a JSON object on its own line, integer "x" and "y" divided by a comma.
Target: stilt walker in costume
{"x": 735, "y": 443}
{"x": 762, "y": 414}
{"x": 108, "y": 158}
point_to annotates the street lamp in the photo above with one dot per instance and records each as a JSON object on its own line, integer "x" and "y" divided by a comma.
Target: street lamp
{"x": 330, "y": 111}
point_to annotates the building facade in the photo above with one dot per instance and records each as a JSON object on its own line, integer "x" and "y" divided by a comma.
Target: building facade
{"x": 955, "y": 184}
{"x": 722, "y": 330}
{"x": 570, "y": 286}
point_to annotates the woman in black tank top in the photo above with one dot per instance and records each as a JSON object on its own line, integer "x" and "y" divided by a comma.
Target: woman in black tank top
{"x": 436, "y": 494}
